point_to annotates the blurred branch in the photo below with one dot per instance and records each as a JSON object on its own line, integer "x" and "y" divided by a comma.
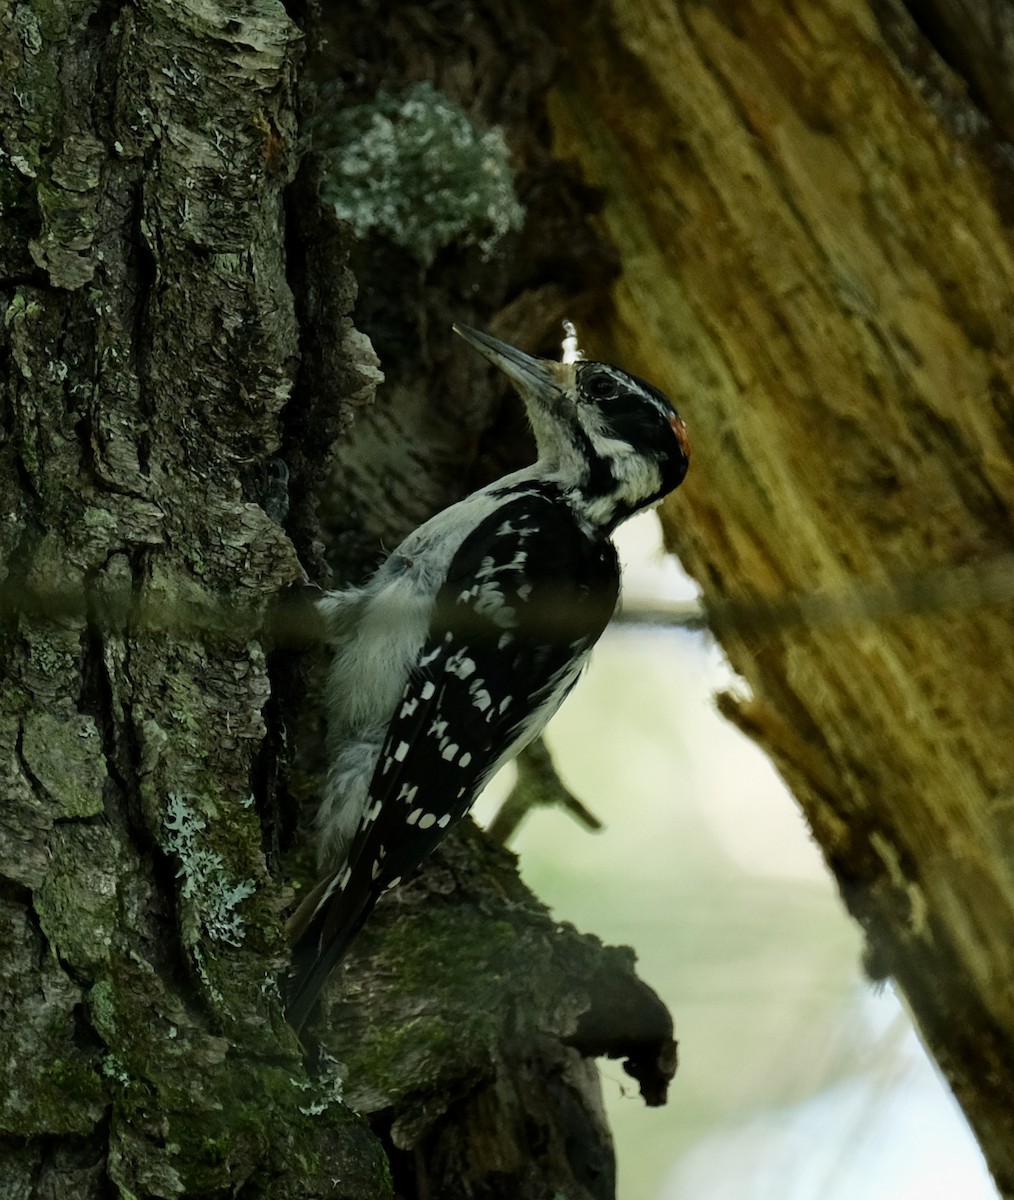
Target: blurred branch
{"x": 538, "y": 786}
{"x": 946, "y": 589}
{"x": 292, "y": 620}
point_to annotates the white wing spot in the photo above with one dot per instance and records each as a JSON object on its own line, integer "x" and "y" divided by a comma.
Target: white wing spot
{"x": 465, "y": 759}
{"x": 426, "y": 820}
{"x": 414, "y": 816}
{"x": 371, "y": 814}
{"x": 394, "y": 883}
{"x": 429, "y": 687}
{"x": 461, "y": 666}
{"x": 408, "y": 708}
{"x": 444, "y": 821}
{"x": 504, "y": 640}
{"x": 505, "y": 703}
{"x": 449, "y": 751}
{"x": 408, "y": 792}
{"x": 344, "y": 881}
{"x": 376, "y": 868}
{"x": 402, "y": 750}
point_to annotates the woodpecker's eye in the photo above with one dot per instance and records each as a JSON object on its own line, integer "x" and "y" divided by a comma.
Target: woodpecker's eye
{"x": 601, "y": 386}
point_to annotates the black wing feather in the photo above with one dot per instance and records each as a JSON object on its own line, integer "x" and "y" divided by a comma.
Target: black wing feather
{"x": 526, "y": 594}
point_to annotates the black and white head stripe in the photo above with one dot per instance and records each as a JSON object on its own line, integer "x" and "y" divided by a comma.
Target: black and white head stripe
{"x": 635, "y": 410}
{"x": 614, "y": 438}
{"x": 631, "y": 441}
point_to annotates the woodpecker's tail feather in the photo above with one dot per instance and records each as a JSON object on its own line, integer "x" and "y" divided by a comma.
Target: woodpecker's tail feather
{"x": 321, "y": 931}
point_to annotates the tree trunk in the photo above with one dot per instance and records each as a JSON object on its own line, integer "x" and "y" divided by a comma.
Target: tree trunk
{"x": 810, "y": 203}
{"x": 179, "y": 359}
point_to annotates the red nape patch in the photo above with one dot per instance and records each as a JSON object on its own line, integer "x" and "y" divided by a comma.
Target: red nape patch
{"x": 680, "y": 429}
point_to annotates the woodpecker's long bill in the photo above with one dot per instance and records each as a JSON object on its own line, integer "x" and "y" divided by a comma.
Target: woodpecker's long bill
{"x": 465, "y": 642}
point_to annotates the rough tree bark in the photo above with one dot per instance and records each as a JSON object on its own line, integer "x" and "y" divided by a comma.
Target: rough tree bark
{"x": 178, "y": 361}
{"x": 811, "y": 204}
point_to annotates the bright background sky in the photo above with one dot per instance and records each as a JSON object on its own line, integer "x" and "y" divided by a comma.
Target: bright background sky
{"x": 798, "y": 1079}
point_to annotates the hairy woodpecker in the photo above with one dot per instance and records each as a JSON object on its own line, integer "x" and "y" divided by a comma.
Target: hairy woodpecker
{"x": 467, "y": 639}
